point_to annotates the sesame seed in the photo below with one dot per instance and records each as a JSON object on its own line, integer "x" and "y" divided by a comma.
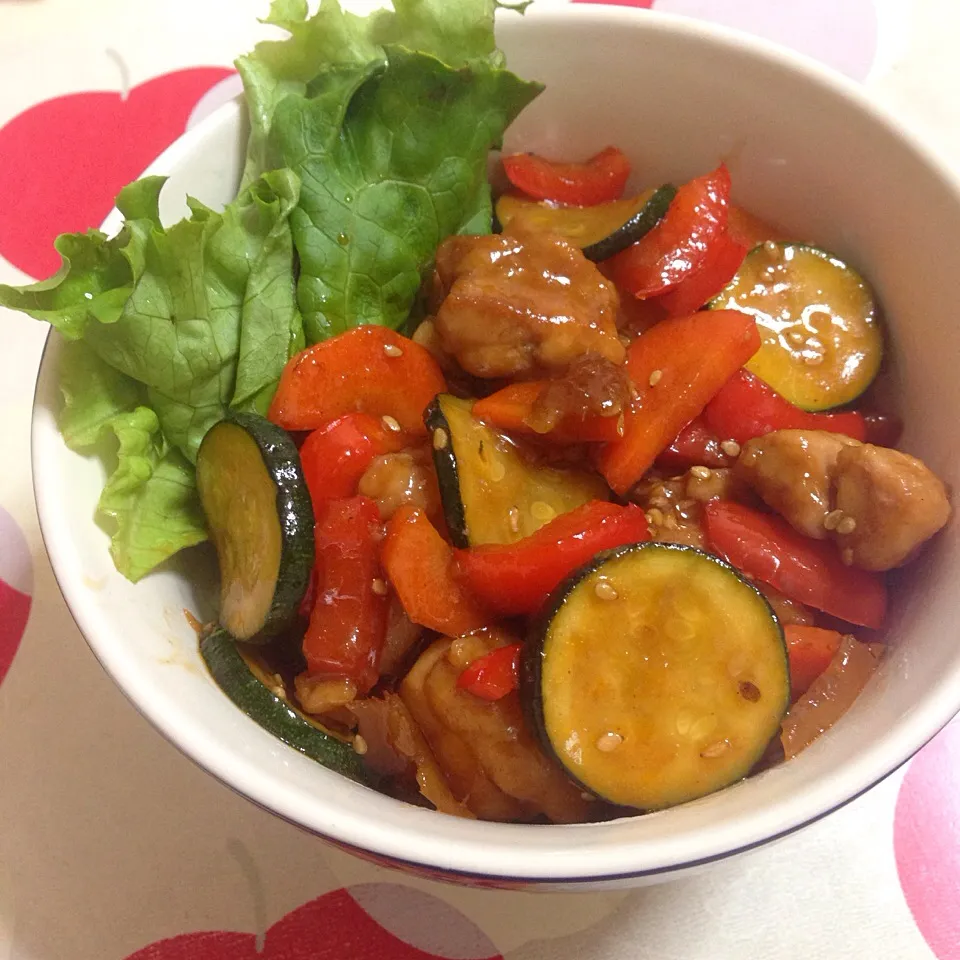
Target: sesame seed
{"x": 513, "y": 516}
{"x": 359, "y": 745}
{"x": 392, "y": 350}
{"x": 391, "y": 423}
{"x": 749, "y": 691}
{"x": 731, "y": 448}
{"x": 701, "y": 473}
{"x": 715, "y": 750}
{"x": 655, "y": 377}
{"x": 655, "y": 516}
{"x": 847, "y": 557}
{"x": 846, "y": 525}
{"x": 379, "y": 587}
{"x": 832, "y": 520}
{"x": 605, "y": 590}
{"x": 440, "y": 439}
{"x": 542, "y": 511}
{"x": 609, "y": 741}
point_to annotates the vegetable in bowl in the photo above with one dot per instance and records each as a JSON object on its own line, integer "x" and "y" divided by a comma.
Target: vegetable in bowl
{"x": 586, "y": 407}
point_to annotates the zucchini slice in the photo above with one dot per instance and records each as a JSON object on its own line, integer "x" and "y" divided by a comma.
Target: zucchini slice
{"x": 600, "y": 231}
{"x": 818, "y": 320}
{"x": 258, "y": 510}
{"x": 490, "y": 492}
{"x": 245, "y": 682}
{"x": 656, "y": 675}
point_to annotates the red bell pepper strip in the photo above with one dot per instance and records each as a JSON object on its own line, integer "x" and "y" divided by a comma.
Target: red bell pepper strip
{"x": 695, "y": 445}
{"x": 810, "y": 651}
{"x": 420, "y": 565}
{"x": 768, "y": 549}
{"x": 335, "y": 456}
{"x": 722, "y": 261}
{"x": 678, "y": 246}
{"x": 676, "y": 367}
{"x": 494, "y": 675}
{"x": 512, "y": 407}
{"x": 600, "y": 179}
{"x": 749, "y": 230}
{"x": 517, "y": 577}
{"x": 746, "y": 407}
{"x": 349, "y": 617}
{"x": 368, "y": 369}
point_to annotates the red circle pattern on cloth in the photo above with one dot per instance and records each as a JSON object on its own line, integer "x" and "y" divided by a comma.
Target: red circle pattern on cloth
{"x": 65, "y": 159}
{"x": 926, "y": 841}
{"x": 333, "y": 927}
{"x": 16, "y": 588}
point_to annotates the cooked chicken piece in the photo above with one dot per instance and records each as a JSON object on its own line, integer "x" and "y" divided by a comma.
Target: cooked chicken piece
{"x": 397, "y": 479}
{"x": 520, "y": 306}
{"x": 889, "y": 503}
{"x": 490, "y": 760}
{"x": 793, "y": 472}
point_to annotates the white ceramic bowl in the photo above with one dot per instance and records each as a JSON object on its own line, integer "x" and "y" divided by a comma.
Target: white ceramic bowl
{"x": 806, "y": 149}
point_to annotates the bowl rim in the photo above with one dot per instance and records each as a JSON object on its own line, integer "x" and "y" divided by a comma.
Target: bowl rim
{"x": 481, "y": 846}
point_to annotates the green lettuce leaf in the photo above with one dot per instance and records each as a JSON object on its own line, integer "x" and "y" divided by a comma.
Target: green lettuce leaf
{"x": 203, "y": 314}
{"x": 390, "y": 143}
{"x": 151, "y": 496}
{"x": 150, "y": 500}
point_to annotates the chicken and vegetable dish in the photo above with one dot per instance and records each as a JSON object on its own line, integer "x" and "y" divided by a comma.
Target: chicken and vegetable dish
{"x": 555, "y": 506}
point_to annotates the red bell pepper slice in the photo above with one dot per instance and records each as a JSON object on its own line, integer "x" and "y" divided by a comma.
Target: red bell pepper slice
{"x": 337, "y": 455}
{"x": 368, "y": 369}
{"x": 678, "y": 246}
{"x": 746, "y": 407}
{"x": 676, "y": 367}
{"x": 494, "y": 675}
{"x": 695, "y": 445}
{"x": 768, "y": 549}
{"x": 600, "y": 179}
{"x": 512, "y": 407}
{"x": 349, "y": 618}
{"x": 517, "y": 577}
{"x": 810, "y": 651}
{"x": 749, "y": 230}
{"x": 722, "y": 261}
{"x": 420, "y": 565}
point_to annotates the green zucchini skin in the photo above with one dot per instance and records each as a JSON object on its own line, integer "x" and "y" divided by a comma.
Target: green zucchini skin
{"x": 231, "y": 673}
{"x": 637, "y": 227}
{"x": 534, "y": 656}
{"x": 294, "y": 514}
{"x": 448, "y": 475}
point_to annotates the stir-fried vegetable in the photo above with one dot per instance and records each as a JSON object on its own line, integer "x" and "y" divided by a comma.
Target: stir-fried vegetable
{"x": 600, "y": 179}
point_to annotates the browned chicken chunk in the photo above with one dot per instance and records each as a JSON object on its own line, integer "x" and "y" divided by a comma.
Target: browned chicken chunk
{"x": 489, "y": 758}
{"x": 401, "y": 479}
{"x": 878, "y": 504}
{"x": 793, "y": 473}
{"x": 522, "y": 306}
{"x": 889, "y": 504}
